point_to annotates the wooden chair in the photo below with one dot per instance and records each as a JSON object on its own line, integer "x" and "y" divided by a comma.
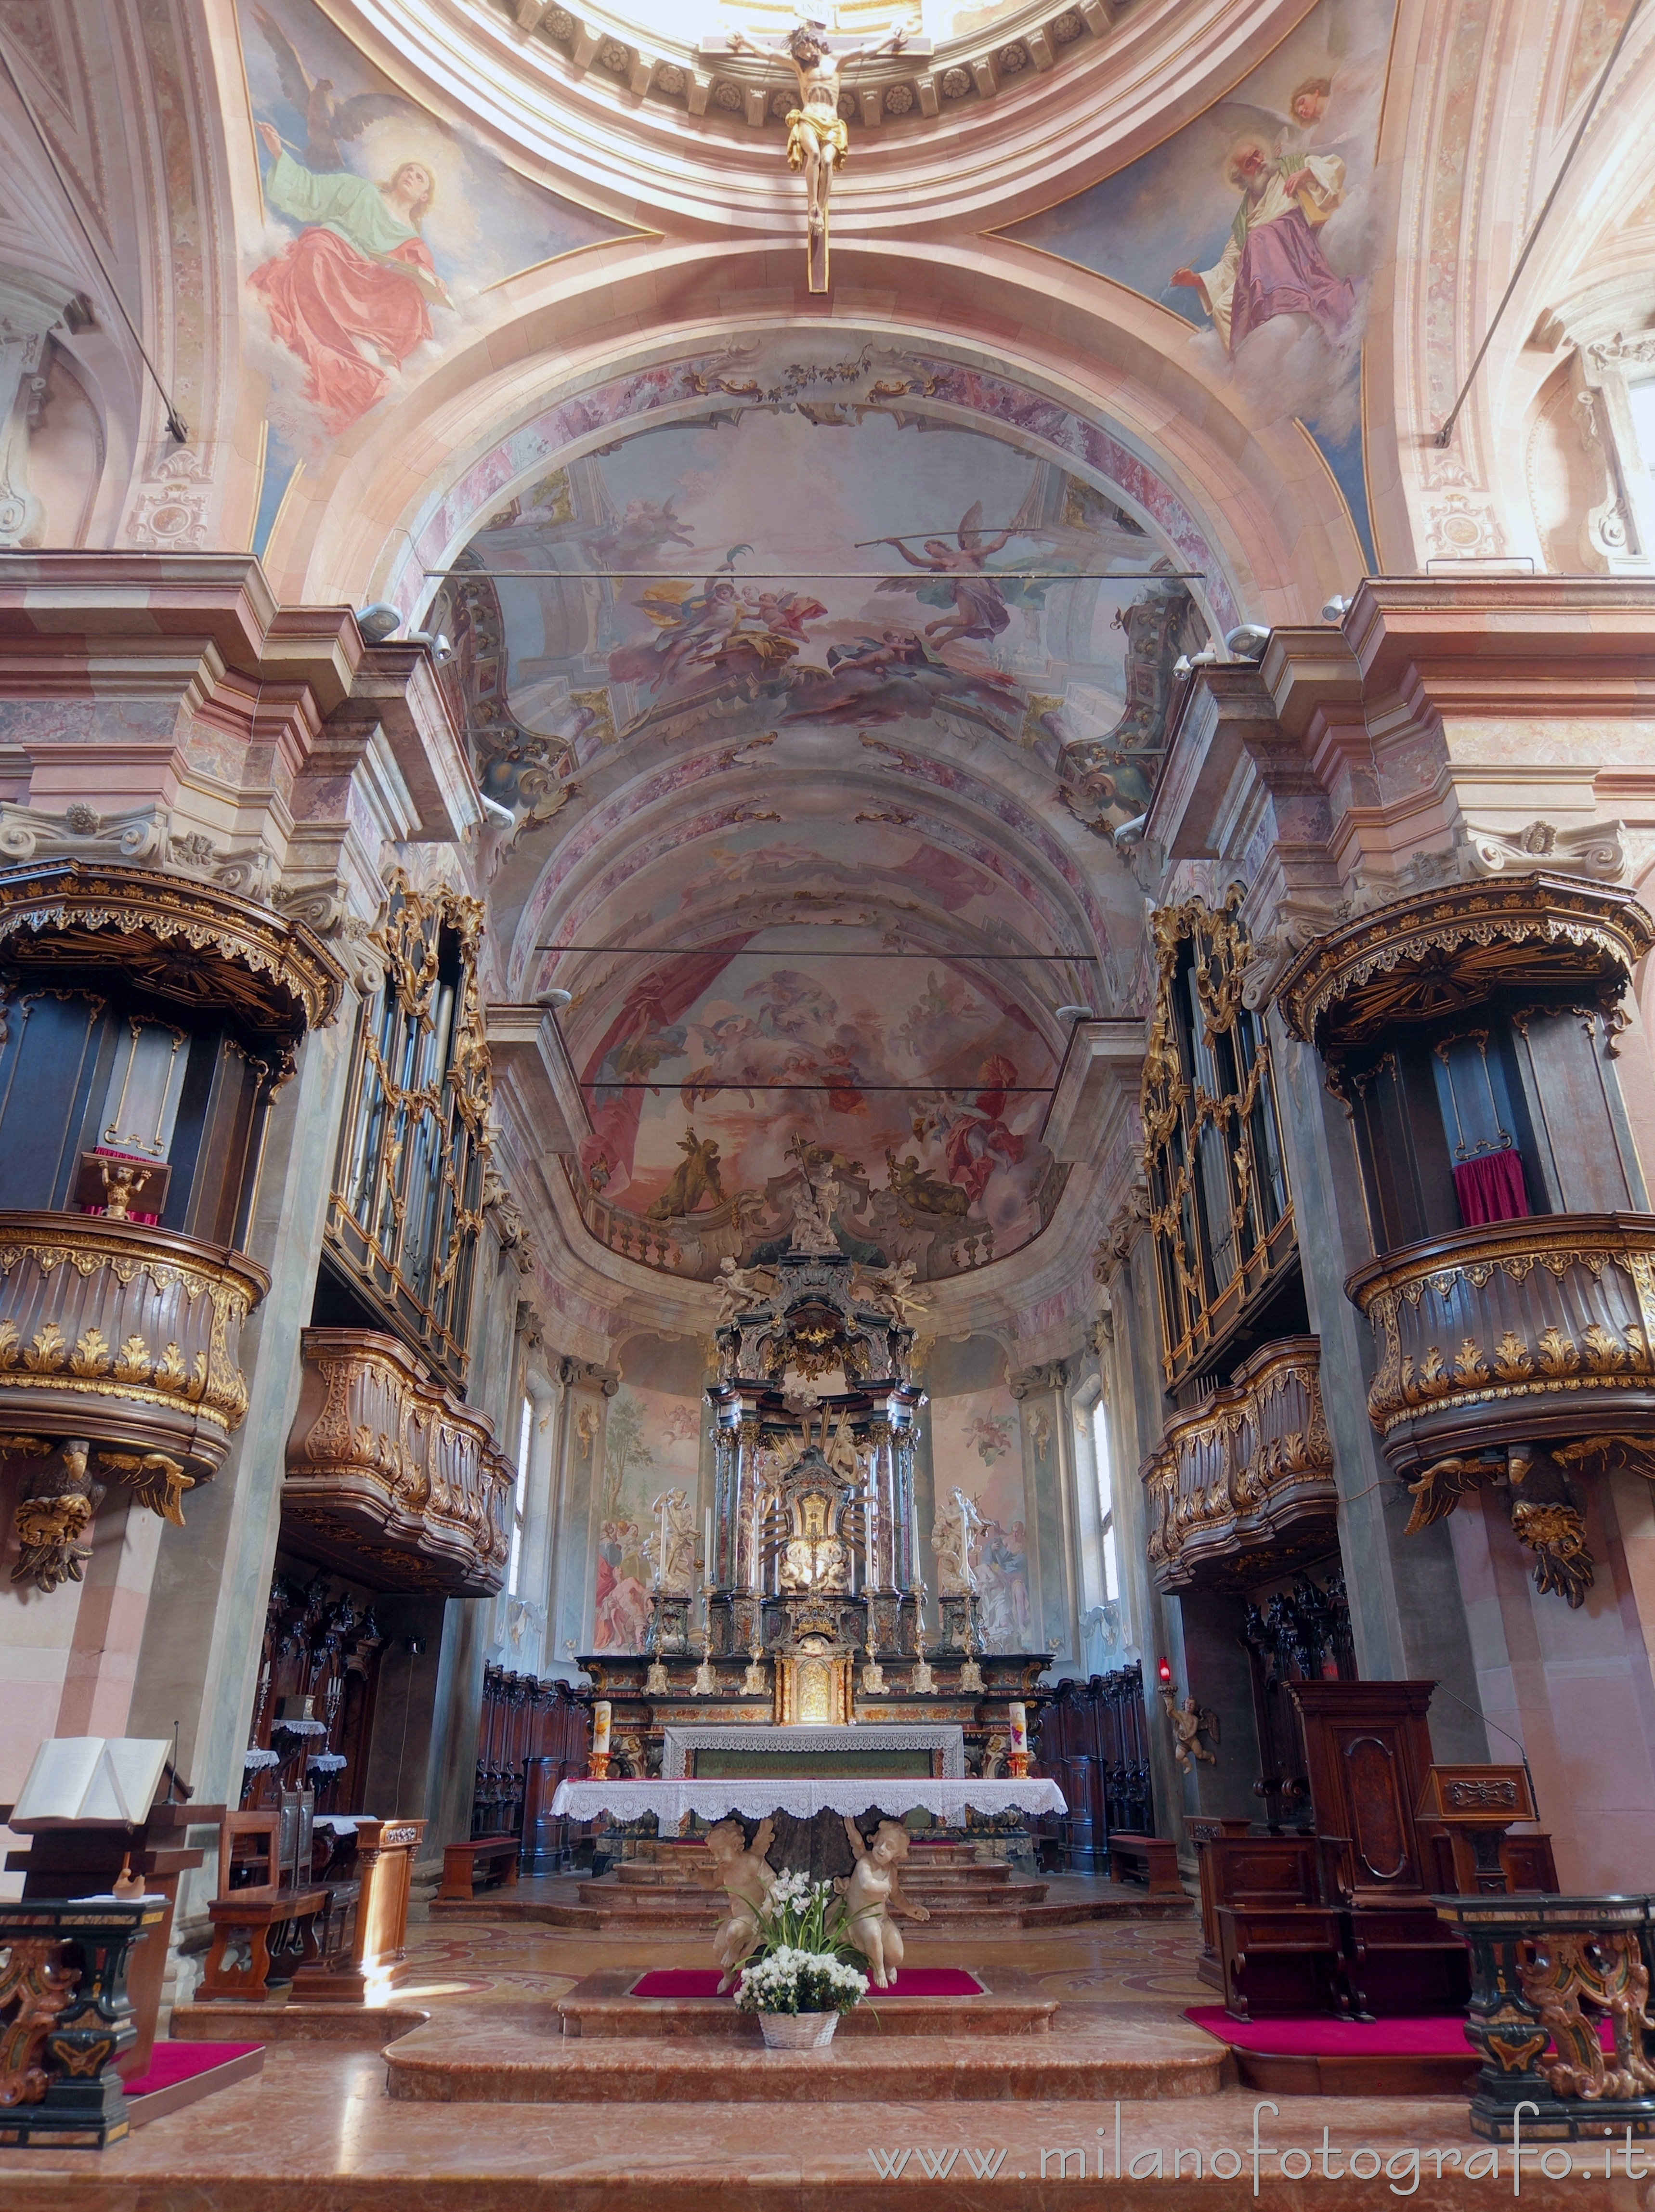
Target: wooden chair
{"x": 252, "y": 1917}
{"x": 1281, "y": 1937}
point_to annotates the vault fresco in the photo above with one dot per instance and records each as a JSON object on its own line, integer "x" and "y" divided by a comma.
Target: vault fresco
{"x": 827, "y": 664}
{"x": 799, "y": 556}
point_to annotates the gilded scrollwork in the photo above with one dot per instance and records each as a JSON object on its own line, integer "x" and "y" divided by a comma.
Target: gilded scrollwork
{"x": 1533, "y": 928}
{"x": 412, "y": 1184}
{"x": 1570, "y": 1979}
{"x": 193, "y": 944}
{"x": 1253, "y": 1463}
{"x": 382, "y": 1458}
{"x": 1218, "y": 1207}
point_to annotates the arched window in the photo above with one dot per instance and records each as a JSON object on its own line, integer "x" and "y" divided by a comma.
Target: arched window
{"x": 1103, "y": 1461}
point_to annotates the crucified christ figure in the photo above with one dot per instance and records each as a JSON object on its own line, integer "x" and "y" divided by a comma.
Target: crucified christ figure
{"x": 817, "y": 140}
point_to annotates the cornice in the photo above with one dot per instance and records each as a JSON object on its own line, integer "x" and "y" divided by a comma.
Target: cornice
{"x": 1019, "y": 141}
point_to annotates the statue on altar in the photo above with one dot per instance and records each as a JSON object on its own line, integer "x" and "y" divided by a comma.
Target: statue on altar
{"x": 746, "y": 1877}
{"x": 872, "y": 1893}
{"x": 671, "y": 1548}
{"x": 739, "y": 1288}
{"x": 890, "y": 1291}
{"x": 817, "y": 1200}
{"x": 951, "y": 1540}
{"x": 817, "y": 140}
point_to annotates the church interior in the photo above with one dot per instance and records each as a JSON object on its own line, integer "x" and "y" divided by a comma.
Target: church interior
{"x": 853, "y": 1323}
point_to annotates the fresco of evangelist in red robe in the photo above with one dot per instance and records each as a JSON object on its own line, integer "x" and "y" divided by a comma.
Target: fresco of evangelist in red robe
{"x": 348, "y": 296}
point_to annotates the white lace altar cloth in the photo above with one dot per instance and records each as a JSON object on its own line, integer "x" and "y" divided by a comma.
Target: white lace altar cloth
{"x": 754, "y": 1796}
{"x": 946, "y": 1736}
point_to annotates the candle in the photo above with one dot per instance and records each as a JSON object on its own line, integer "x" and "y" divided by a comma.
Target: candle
{"x": 1018, "y": 1716}
{"x": 707, "y": 1551}
{"x": 600, "y": 1725}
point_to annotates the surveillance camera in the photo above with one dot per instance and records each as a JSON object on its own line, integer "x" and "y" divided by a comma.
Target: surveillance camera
{"x": 556, "y": 999}
{"x": 1247, "y": 642}
{"x": 1074, "y": 1014}
{"x": 1335, "y": 610}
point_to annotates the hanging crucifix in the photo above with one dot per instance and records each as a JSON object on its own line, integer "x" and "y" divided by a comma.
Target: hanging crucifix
{"x": 818, "y": 139}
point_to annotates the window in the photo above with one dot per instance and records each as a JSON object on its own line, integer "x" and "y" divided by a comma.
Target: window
{"x": 1641, "y": 398}
{"x": 520, "y": 1490}
{"x": 1106, "y": 1498}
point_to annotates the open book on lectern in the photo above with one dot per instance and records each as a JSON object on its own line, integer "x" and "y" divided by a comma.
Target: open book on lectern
{"x": 96, "y": 1778}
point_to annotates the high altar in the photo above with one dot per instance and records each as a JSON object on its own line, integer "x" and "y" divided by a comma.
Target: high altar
{"x": 812, "y": 1612}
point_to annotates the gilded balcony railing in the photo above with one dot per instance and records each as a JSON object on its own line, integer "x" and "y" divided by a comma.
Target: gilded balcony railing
{"x": 390, "y": 1475}
{"x": 1517, "y": 1353}
{"x": 1251, "y": 1470}
{"x": 119, "y": 1359}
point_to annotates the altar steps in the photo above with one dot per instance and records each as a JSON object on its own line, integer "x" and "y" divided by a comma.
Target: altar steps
{"x": 501, "y": 2066}
{"x": 633, "y": 1907}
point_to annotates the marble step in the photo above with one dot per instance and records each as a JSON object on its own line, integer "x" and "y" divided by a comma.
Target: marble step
{"x": 600, "y": 2009}
{"x": 500, "y": 2066}
{"x": 644, "y": 1906}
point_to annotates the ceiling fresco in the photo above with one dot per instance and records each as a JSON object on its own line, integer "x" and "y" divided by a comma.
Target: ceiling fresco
{"x": 384, "y": 228}
{"x": 809, "y": 713}
{"x": 1261, "y": 224}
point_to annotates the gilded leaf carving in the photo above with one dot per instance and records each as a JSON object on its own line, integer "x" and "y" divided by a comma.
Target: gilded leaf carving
{"x": 1558, "y": 1355}
{"x": 91, "y": 1355}
{"x": 132, "y": 1361}
{"x": 48, "y": 1351}
{"x": 1471, "y": 1366}
{"x": 1513, "y": 1362}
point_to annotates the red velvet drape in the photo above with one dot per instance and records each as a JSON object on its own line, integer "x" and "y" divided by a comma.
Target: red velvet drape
{"x": 1491, "y": 1188}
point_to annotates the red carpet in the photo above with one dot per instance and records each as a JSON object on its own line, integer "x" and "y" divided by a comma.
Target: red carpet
{"x": 179, "y": 2072}
{"x": 912, "y": 1982}
{"x": 1321, "y": 2038}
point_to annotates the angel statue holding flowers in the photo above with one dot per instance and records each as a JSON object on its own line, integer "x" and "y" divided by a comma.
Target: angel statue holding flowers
{"x": 817, "y": 140}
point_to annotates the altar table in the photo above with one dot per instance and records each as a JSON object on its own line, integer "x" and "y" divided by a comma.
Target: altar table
{"x": 754, "y": 1796}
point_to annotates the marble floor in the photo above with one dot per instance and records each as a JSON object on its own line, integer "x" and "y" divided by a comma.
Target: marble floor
{"x": 317, "y": 2130}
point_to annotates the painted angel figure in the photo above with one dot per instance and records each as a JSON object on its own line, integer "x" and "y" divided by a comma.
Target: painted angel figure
{"x": 817, "y": 140}
{"x": 980, "y": 608}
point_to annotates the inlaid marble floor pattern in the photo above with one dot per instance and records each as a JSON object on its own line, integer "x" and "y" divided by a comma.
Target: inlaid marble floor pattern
{"x": 315, "y": 2132}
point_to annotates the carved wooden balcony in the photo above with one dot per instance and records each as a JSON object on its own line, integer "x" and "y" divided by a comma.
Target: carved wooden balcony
{"x": 389, "y": 1476}
{"x": 120, "y": 1347}
{"x": 1249, "y": 1472}
{"x": 1517, "y": 1353}
{"x": 189, "y": 944}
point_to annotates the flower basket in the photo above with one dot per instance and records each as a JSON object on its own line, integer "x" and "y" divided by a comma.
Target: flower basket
{"x": 800, "y": 1978}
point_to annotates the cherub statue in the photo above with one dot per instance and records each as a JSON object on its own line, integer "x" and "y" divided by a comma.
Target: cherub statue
{"x": 951, "y": 1540}
{"x": 739, "y": 1288}
{"x": 1189, "y": 1723}
{"x": 746, "y": 1879}
{"x": 817, "y": 140}
{"x": 872, "y": 1893}
{"x": 890, "y": 1291}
